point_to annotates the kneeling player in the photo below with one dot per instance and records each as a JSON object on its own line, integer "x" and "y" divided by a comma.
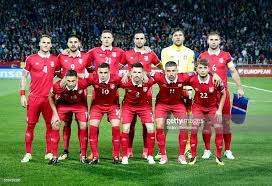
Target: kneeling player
{"x": 205, "y": 107}
{"x": 170, "y": 100}
{"x": 105, "y": 102}
{"x": 136, "y": 103}
{"x": 71, "y": 98}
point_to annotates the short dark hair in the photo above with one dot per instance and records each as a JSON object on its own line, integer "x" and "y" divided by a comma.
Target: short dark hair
{"x": 214, "y": 33}
{"x": 177, "y": 30}
{"x": 107, "y": 31}
{"x": 45, "y": 35}
{"x": 171, "y": 64}
{"x": 104, "y": 65}
{"x": 202, "y": 61}
{"x": 71, "y": 73}
{"x": 137, "y": 65}
{"x": 138, "y": 32}
{"x": 73, "y": 35}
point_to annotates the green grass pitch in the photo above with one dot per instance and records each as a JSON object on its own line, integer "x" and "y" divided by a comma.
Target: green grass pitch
{"x": 252, "y": 144}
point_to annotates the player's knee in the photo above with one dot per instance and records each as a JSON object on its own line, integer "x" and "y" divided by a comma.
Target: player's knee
{"x": 149, "y": 127}
{"x": 82, "y": 125}
{"x": 126, "y": 128}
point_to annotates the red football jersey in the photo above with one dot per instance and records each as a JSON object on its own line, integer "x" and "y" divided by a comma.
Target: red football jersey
{"x": 218, "y": 63}
{"x": 136, "y": 95}
{"x": 171, "y": 92}
{"x": 68, "y": 97}
{"x": 131, "y": 56}
{"x": 205, "y": 92}
{"x": 42, "y": 72}
{"x": 78, "y": 63}
{"x": 99, "y": 55}
{"x": 105, "y": 93}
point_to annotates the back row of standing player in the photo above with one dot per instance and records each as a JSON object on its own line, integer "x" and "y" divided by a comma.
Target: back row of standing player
{"x": 45, "y": 63}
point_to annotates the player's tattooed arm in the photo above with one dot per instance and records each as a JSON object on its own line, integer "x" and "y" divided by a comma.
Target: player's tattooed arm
{"x": 216, "y": 79}
{"x": 23, "y": 88}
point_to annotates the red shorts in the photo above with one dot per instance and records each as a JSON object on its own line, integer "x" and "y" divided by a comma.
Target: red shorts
{"x": 226, "y": 108}
{"x": 112, "y": 111}
{"x": 204, "y": 114}
{"x": 144, "y": 112}
{"x": 65, "y": 112}
{"x": 37, "y": 105}
{"x": 149, "y": 95}
{"x": 178, "y": 110}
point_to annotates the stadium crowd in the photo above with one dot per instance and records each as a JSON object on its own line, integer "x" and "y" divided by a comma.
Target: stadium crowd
{"x": 245, "y": 26}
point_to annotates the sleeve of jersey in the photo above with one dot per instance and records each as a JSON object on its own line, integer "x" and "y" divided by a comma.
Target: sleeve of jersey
{"x": 228, "y": 57}
{"x": 90, "y": 79}
{"x": 190, "y": 63}
{"x": 164, "y": 57}
{"x": 27, "y": 64}
{"x": 155, "y": 59}
{"x": 82, "y": 83}
{"x": 58, "y": 66}
{"x": 89, "y": 64}
{"x": 123, "y": 60}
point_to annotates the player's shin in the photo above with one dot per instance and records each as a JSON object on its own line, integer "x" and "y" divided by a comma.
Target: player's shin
{"x": 83, "y": 138}
{"x": 55, "y": 142}
{"x": 218, "y": 141}
{"x": 93, "y": 140}
{"x": 48, "y": 137}
{"x": 207, "y": 134}
{"x": 115, "y": 140}
{"x": 182, "y": 140}
{"x": 124, "y": 143}
{"x": 66, "y": 134}
{"x": 132, "y": 132}
{"x": 193, "y": 142}
{"x": 161, "y": 140}
{"x": 29, "y": 136}
{"x": 227, "y": 133}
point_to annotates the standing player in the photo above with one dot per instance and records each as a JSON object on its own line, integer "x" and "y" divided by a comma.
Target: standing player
{"x": 220, "y": 62}
{"x": 139, "y": 54}
{"x": 78, "y": 61}
{"x": 136, "y": 103}
{"x": 69, "y": 96}
{"x": 184, "y": 58}
{"x": 105, "y": 87}
{"x": 205, "y": 107}
{"x": 170, "y": 99}
{"x": 41, "y": 67}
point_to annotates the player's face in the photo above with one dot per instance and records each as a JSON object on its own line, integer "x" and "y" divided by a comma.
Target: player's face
{"x": 178, "y": 38}
{"x": 137, "y": 74}
{"x": 71, "y": 81}
{"x": 213, "y": 42}
{"x": 73, "y": 44}
{"x": 45, "y": 44}
{"x": 171, "y": 73}
{"x": 107, "y": 39}
{"x": 103, "y": 74}
{"x": 139, "y": 40}
{"x": 202, "y": 70}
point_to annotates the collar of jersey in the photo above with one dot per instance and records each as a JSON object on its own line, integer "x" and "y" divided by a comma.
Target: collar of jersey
{"x": 104, "y": 48}
{"x": 76, "y": 87}
{"x": 44, "y": 56}
{"x": 203, "y": 82}
{"x": 168, "y": 81}
{"x": 78, "y": 54}
{"x": 105, "y": 81}
{"x": 217, "y": 53}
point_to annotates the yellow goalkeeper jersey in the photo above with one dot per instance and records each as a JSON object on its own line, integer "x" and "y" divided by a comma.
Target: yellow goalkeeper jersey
{"x": 183, "y": 56}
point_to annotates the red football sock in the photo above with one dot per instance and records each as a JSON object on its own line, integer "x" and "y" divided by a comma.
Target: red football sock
{"x": 93, "y": 140}
{"x": 227, "y": 134}
{"x": 145, "y": 136}
{"x": 206, "y": 135}
{"x": 150, "y": 143}
{"x": 161, "y": 140}
{"x": 218, "y": 141}
{"x": 115, "y": 140}
{"x": 48, "y": 138}
{"x": 193, "y": 142}
{"x": 132, "y": 132}
{"x": 182, "y": 141}
{"x": 66, "y": 136}
{"x": 29, "y": 135}
{"x": 124, "y": 143}
{"x": 55, "y": 142}
{"x": 83, "y": 136}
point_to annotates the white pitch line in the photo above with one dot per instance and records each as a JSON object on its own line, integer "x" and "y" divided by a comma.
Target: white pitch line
{"x": 256, "y": 88}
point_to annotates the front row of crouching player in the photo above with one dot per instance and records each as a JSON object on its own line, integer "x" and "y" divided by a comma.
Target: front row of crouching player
{"x": 69, "y": 96}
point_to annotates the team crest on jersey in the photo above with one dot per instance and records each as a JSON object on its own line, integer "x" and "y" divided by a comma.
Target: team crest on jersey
{"x": 113, "y": 54}
{"x": 196, "y": 89}
{"x": 52, "y": 64}
{"x": 129, "y": 90}
{"x": 180, "y": 85}
{"x": 80, "y": 91}
{"x": 37, "y": 63}
{"x": 80, "y": 61}
{"x": 164, "y": 85}
{"x": 145, "y": 89}
{"x": 211, "y": 89}
{"x": 74, "y": 97}
{"x": 221, "y": 60}
{"x": 65, "y": 61}
{"x": 96, "y": 86}
{"x": 112, "y": 86}
{"x": 146, "y": 58}
{"x": 100, "y": 54}
{"x": 131, "y": 57}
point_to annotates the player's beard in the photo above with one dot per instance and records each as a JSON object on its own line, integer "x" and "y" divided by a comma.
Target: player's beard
{"x": 171, "y": 78}
{"x": 73, "y": 49}
{"x": 203, "y": 76}
{"x": 139, "y": 46}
